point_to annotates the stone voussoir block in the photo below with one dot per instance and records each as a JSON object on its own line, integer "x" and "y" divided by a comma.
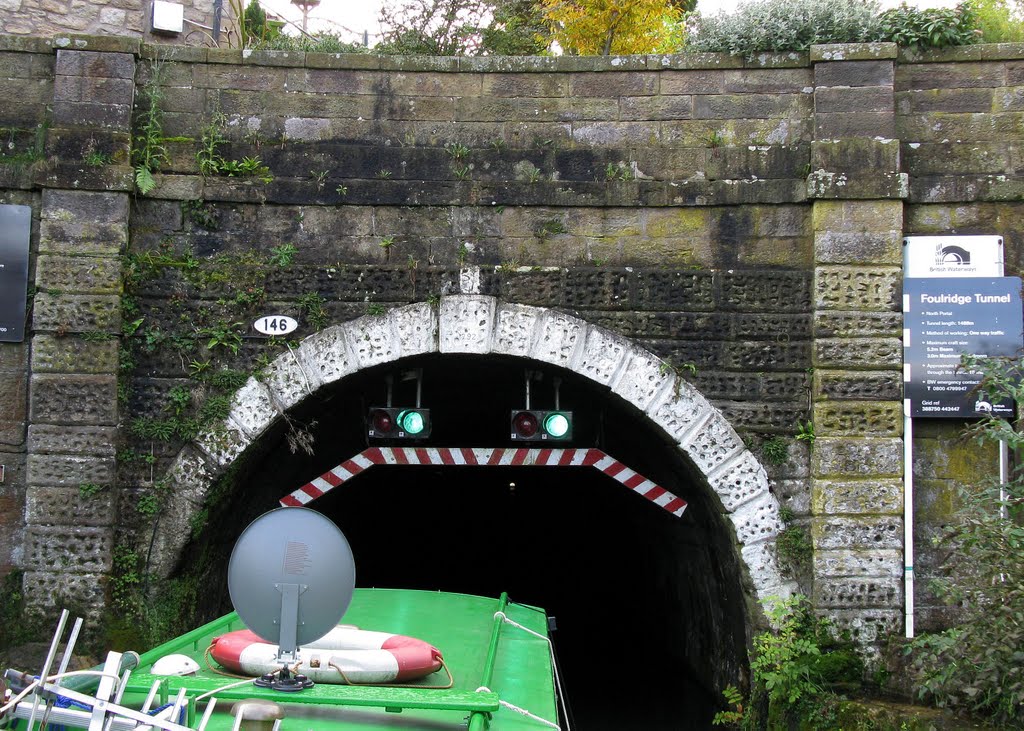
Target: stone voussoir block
{"x": 253, "y": 408}
{"x": 757, "y": 520}
{"x": 738, "y": 481}
{"x": 858, "y": 418}
{"x": 678, "y": 409}
{"x": 515, "y": 329}
{"x": 289, "y": 379}
{"x": 712, "y": 443}
{"x": 642, "y": 378}
{"x": 466, "y": 324}
{"x": 222, "y": 444}
{"x": 762, "y": 560}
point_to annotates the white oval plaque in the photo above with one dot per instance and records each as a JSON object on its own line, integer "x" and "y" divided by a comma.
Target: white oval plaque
{"x": 275, "y": 324}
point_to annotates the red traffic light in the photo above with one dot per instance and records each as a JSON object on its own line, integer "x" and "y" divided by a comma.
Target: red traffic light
{"x": 382, "y": 422}
{"x": 524, "y": 424}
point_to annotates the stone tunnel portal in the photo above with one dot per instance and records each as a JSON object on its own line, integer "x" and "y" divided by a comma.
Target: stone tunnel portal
{"x": 651, "y": 615}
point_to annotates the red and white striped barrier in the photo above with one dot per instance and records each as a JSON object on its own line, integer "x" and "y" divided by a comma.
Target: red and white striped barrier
{"x": 484, "y": 457}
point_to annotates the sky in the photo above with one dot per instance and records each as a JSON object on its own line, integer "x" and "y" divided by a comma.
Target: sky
{"x": 352, "y": 17}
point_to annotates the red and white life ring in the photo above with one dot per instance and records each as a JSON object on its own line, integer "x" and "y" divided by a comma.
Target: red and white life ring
{"x": 362, "y": 656}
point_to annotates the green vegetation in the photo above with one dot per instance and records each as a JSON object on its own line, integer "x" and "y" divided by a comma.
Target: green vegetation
{"x": 975, "y": 665}
{"x": 212, "y": 162}
{"x": 775, "y": 450}
{"x": 805, "y": 432}
{"x": 316, "y": 43}
{"x": 999, "y": 20}
{"x": 931, "y": 27}
{"x": 793, "y": 546}
{"x": 794, "y": 25}
{"x": 794, "y": 667}
{"x": 312, "y": 306}
{"x": 148, "y": 150}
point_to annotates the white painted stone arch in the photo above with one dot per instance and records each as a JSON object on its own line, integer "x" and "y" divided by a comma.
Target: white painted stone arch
{"x": 483, "y": 325}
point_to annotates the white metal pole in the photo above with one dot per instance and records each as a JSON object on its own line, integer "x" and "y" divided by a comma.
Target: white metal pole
{"x": 908, "y": 519}
{"x": 1004, "y": 475}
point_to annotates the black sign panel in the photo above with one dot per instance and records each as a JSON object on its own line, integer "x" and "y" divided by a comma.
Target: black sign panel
{"x": 15, "y": 233}
{"x": 944, "y": 318}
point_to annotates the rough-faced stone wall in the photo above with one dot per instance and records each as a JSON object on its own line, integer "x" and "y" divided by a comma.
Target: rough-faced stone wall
{"x": 740, "y": 220}
{"x": 959, "y": 120}
{"x": 132, "y": 18}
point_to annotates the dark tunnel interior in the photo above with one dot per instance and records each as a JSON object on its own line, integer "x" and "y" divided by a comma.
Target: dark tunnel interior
{"x": 651, "y": 617}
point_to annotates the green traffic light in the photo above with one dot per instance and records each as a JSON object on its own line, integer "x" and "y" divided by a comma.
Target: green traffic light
{"x": 557, "y": 425}
{"x": 411, "y": 422}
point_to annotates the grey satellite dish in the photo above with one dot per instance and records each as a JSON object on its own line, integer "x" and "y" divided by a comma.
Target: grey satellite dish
{"x": 290, "y": 577}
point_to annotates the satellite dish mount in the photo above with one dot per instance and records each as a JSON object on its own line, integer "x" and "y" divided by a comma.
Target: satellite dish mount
{"x": 287, "y": 648}
{"x": 290, "y": 577}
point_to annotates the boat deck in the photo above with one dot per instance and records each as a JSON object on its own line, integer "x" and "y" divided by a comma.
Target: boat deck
{"x": 479, "y": 650}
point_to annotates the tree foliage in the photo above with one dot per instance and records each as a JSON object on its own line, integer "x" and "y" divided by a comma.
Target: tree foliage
{"x": 619, "y": 27}
{"x": 462, "y": 27}
{"x": 976, "y": 664}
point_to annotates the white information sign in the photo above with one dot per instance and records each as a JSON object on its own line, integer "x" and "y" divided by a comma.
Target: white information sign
{"x": 275, "y": 324}
{"x": 952, "y": 256}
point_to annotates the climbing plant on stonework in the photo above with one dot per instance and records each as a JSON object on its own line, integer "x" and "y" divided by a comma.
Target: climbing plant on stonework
{"x": 613, "y": 27}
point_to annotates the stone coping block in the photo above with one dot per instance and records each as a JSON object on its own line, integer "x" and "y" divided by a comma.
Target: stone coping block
{"x": 105, "y": 44}
{"x": 25, "y": 44}
{"x": 853, "y": 52}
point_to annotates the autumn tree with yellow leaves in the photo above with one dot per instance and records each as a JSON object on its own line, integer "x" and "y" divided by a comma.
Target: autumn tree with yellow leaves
{"x": 619, "y": 27}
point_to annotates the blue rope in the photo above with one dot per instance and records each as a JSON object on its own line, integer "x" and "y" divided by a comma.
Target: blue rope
{"x": 65, "y": 702}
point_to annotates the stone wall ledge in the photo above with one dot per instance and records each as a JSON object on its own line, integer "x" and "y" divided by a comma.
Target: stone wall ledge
{"x": 514, "y": 64}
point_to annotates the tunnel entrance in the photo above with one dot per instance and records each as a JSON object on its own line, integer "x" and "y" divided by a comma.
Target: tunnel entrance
{"x": 619, "y": 578}
{"x": 650, "y": 610}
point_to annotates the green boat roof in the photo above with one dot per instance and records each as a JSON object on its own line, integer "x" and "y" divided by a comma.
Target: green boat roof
{"x": 491, "y": 662}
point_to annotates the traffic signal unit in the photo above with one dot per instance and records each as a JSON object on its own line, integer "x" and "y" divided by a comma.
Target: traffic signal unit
{"x": 527, "y": 425}
{"x": 385, "y": 422}
{"x": 541, "y": 426}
